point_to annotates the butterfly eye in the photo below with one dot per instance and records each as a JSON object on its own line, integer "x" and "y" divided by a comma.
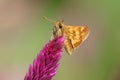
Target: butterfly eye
{"x": 60, "y": 26}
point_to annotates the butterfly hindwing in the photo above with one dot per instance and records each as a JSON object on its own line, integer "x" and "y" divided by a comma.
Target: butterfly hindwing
{"x": 68, "y": 46}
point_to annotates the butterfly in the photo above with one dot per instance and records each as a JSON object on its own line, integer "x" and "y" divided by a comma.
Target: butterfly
{"x": 74, "y": 35}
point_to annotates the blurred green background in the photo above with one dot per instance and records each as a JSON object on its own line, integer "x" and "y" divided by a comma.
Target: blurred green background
{"x": 23, "y": 33}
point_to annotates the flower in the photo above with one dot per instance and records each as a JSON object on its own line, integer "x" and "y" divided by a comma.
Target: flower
{"x": 46, "y": 63}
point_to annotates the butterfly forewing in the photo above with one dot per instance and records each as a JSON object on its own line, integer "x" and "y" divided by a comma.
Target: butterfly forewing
{"x": 76, "y": 34}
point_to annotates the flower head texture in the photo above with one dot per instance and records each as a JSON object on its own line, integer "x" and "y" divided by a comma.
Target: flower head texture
{"x": 46, "y": 63}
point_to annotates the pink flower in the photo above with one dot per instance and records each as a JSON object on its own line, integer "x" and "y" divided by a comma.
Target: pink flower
{"x": 46, "y": 63}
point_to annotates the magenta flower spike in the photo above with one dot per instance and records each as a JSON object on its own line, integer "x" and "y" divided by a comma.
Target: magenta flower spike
{"x": 46, "y": 63}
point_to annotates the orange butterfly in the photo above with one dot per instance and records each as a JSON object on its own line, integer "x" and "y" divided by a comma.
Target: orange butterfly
{"x": 74, "y": 35}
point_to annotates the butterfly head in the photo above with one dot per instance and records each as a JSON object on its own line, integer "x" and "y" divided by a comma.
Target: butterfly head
{"x": 59, "y": 24}
{"x": 58, "y": 27}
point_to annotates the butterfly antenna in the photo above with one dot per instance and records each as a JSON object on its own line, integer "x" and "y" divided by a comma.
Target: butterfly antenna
{"x": 48, "y": 19}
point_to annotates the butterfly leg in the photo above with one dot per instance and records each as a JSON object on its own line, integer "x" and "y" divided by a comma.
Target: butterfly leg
{"x": 53, "y": 35}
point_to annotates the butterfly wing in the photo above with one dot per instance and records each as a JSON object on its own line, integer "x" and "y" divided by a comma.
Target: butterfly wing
{"x": 74, "y": 36}
{"x": 68, "y": 46}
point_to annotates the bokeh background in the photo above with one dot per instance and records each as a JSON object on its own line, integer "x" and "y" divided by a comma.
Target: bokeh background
{"x": 23, "y": 32}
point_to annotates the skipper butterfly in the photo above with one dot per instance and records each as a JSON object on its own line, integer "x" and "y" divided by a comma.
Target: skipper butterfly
{"x": 74, "y": 35}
